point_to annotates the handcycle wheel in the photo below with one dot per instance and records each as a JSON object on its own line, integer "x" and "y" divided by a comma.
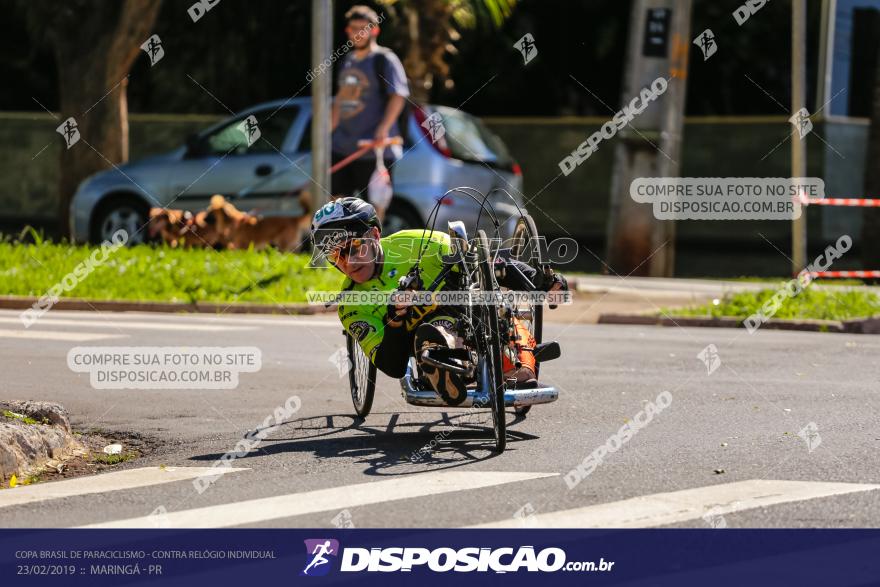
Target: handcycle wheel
{"x": 490, "y": 341}
{"x": 361, "y": 377}
{"x": 525, "y": 249}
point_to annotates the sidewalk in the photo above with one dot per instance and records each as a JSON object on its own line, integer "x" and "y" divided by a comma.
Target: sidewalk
{"x": 597, "y": 295}
{"x": 604, "y": 294}
{"x": 658, "y": 286}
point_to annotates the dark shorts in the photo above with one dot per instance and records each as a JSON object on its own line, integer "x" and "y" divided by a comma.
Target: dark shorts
{"x": 353, "y": 179}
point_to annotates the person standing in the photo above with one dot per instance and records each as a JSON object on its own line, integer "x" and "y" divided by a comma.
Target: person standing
{"x": 371, "y": 96}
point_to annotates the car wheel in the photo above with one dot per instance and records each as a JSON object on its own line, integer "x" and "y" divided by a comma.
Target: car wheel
{"x": 400, "y": 216}
{"x": 121, "y": 213}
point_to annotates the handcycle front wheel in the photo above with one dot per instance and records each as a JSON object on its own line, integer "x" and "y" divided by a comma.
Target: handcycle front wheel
{"x": 489, "y": 341}
{"x": 361, "y": 377}
{"x": 525, "y": 249}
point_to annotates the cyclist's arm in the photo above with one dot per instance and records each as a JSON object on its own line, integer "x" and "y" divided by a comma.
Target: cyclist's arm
{"x": 386, "y": 346}
{"x": 530, "y": 272}
{"x": 392, "y": 354}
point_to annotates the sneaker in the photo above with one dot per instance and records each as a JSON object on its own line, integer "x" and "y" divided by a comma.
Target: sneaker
{"x": 525, "y": 378}
{"x": 450, "y": 386}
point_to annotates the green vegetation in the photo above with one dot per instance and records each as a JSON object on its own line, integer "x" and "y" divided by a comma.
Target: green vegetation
{"x": 752, "y": 279}
{"x": 106, "y": 459}
{"x": 147, "y": 273}
{"x": 19, "y": 417}
{"x": 809, "y": 304}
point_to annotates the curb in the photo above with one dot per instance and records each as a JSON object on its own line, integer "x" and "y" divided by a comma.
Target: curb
{"x": 857, "y": 326}
{"x": 27, "y": 448}
{"x": 23, "y": 303}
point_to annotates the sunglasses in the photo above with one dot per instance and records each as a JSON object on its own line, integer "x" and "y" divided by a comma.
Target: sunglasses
{"x": 346, "y": 249}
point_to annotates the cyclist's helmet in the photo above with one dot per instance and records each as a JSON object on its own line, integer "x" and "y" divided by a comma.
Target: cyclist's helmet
{"x": 341, "y": 220}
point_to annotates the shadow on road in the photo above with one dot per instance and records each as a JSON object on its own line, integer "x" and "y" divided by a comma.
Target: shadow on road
{"x": 390, "y": 443}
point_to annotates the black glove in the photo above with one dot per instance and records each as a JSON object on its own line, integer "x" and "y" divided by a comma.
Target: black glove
{"x": 560, "y": 279}
{"x": 396, "y": 315}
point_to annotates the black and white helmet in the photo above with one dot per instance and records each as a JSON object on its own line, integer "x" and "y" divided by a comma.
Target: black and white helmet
{"x": 342, "y": 219}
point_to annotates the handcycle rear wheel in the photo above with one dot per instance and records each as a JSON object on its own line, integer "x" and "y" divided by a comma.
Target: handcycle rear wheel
{"x": 525, "y": 249}
{"x": 361, "y": 377}
{"x": 489, "y": 341}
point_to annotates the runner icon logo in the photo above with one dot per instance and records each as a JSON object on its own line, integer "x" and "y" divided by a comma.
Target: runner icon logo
{"x": 154, "y": 50}
{"x": 318, "y": 550}
{"x": 706, "y": 42}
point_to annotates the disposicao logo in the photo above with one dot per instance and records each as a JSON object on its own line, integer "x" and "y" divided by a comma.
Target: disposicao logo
{"x": 319, "y": 549}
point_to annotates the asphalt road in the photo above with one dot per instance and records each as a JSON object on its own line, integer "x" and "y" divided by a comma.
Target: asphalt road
{"x": 727, "y": 440}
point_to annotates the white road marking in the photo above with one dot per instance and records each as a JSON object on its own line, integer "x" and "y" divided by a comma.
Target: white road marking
{"x": 661, "y": 509}
{"x": 56, "y": 335}
{"x": 282, "y": 320}
{"x": 334, "y": 498}
{"x": 97, "y": 322}
{"x": 87, "y": 318}
{"x": 116, "y": 481}
{"x": 285, "y": 321}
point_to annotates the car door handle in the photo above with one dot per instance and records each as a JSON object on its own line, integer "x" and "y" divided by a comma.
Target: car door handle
{"x": 263, "y": 170}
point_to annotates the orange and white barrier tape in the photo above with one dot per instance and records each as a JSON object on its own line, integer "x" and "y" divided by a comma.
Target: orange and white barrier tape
{"x": 845, "y": 274}
{"x": 861, "y": 202}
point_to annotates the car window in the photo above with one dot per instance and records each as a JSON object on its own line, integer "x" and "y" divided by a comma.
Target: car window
{"x": 267, "y": 136}
{"x": 470, "y": 140}
{"x": 305, "y": 143}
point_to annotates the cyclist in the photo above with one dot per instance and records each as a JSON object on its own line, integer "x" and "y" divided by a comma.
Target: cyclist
{"x": 348, "y": 232}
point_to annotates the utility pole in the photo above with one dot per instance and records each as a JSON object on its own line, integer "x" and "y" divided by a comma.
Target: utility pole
{"x": 673, "y": 102}
{"x": 798, "y": 144}
{"x": 322, "y": 41}
{"x": 650, "y": 146}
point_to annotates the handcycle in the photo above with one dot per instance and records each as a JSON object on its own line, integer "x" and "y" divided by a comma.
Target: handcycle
{"x": 488, "y": 328}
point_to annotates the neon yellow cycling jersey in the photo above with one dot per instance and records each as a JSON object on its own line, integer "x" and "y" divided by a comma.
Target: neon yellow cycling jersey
{"x": 366, "y": 323}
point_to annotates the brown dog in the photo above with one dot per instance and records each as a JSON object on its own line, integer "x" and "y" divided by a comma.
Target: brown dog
{"x": 238, "y": 230}
{"x": 203, "y": 232}
{"x": 168, "y": 224}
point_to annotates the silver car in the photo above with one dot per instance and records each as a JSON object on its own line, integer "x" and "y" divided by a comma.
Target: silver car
{"x": 265, "y": 176}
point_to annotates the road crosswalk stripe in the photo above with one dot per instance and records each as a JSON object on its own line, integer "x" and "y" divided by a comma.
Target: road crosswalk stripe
{"x": 98, "y": 322}
{"x": 115, "y": 481}
{"x": 334, "y": 498}
{"x": 661, "y": 509}
{"x": 58, "y": 335}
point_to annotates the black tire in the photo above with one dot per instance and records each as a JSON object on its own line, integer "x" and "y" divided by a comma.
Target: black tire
{"x": 490, "y": 341}
{"x": 361, "y": 378}
{"x": 525, "y": 242}
{"x": 400, "y": 216}
{"x": 120, "y": 211}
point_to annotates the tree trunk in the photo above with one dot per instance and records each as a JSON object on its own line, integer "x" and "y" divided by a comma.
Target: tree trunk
{"x": 103, "y": 131}
{"x": 95, "y": 45}
{"x": 430, "y": 34}
{"x": 415, "y": 65}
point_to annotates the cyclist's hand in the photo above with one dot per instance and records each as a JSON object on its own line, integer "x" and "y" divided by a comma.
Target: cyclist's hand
{"x": 397, "y": 313}
{"x": 559, "y": 283}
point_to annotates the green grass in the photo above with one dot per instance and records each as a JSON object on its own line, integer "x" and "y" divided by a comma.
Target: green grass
{"x": 809, "y": 304}
{"x": 147, "y": 273}
{"x": 739, "y": 278}
{"x": 772, "y": 280}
